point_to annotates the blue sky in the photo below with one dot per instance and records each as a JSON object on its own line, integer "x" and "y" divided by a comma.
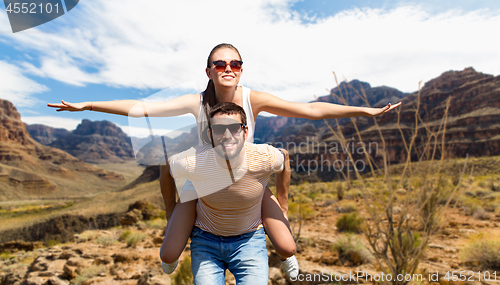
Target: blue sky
{"x": 111, "y": 50}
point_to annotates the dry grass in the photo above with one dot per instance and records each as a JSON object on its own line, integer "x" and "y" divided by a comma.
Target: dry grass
{"x": 482, "y": 252}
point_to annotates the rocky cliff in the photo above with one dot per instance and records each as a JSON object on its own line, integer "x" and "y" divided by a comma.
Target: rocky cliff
{"x": 269, "y": 129}
{"x": 30, "y": 169}
{"x": 473, "y": 115}
{"x": 472, "y": 124}
{"x": 97, "y": 142}
{"x": 45, "y": 134}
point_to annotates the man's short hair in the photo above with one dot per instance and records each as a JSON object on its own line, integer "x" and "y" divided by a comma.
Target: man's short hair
{"x": 228, "y": 108}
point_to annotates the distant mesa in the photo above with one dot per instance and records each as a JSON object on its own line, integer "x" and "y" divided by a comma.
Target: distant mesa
{"x": 91, "y": 141}
{"x": 45, "y": 134}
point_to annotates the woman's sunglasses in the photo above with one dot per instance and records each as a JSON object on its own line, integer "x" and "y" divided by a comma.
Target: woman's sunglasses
{"x": 219, "y": 130}
{"x": 220, "y": 65}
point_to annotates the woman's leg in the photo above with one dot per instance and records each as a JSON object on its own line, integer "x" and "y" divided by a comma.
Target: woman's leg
{"x": 181, "y": 218}
{"x": 178, "y": 230}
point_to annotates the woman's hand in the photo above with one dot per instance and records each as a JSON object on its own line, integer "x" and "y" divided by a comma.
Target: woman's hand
{"x": 72, "y": 107}
{"x": 374, "y": 112}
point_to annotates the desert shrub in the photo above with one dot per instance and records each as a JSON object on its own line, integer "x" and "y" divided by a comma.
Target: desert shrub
{"x": 52, "y": 242}
{"x": 124, "y": 235}
{"x": 481, "y": 214}
{"x": 105, "y": 241}
{"x": 353, "y": 194}
{"x": 493, "y": 186}
{"x": 348, "y": 207}
{"x": 491, "y": 207}
{"x": 163, "y": 215}
{"x": 328, "y": 202}
{"x": 184, "y": 274}
{"x": 349, "y": 223}
{"x": 300, "y": 210}
{"x": 469, "y": 193}
{"x": 88, "y": 273}
{"x": 481, "y": 193}
{"x": 158, "y": 224}
{"x": 482, "y": 253}
{"x": 350, "y": 248}
{"x": 134, "y": 239}
{"x": 6, "y": 256}
{"x": 86, "y": 236}
{"x": 470, "y": 205}
{"x": 340, "y": 191}
{"x": 455, "y": 178}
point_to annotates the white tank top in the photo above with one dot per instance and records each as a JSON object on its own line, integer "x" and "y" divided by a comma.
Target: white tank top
{"x": 188, "y": 191}
{"x": 202, "y": 118}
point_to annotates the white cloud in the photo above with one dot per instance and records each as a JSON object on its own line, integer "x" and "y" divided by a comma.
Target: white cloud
{"x": 52, "y": 121}
{"x": 71, "y": 124}
{"x": 18, "y": 88}
{"x": 156, "y": 45}
{"x": 141, "y": 132}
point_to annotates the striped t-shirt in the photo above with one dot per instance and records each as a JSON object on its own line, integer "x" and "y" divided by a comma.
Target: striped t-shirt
{"x": 226, "y": 208}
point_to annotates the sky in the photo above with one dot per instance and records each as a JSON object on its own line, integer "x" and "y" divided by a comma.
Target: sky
{"x": 156, "y": 50}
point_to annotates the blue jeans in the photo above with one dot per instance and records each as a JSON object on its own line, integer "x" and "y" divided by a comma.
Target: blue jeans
{"x": 244, "y": 255}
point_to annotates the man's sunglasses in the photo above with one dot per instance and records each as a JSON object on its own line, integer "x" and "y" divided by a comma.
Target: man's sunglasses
{"x": 219, "y": 130}
{"x": 220, "y": 65}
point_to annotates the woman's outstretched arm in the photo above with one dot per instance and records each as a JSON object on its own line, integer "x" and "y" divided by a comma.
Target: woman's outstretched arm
{"x": 134, "y": 108}
{"x": 262, "y": 101}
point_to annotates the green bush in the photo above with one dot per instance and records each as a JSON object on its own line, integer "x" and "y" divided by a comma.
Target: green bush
{"x": 349, "y": 223}
{"x": 88, "y": 273}
{"x": 105, "y": 241}
{"x": 184, "y": 274}
{"x": 483, "y": 253}
{"x": 86, "y": 236}
{"x": 52, "y": 242}
{"x": 340, "y": 191}
{"x": 134, "y": 239}
{"x": 157, "y": 224}
{"x": 347, "y": 207}
{"x": 124, "y": 235}
{"x": 350, "y": 248}
{"x": 6, "y": 256}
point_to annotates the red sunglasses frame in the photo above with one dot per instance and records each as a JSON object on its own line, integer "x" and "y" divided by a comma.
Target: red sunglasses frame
{"x": 234, "y": 67}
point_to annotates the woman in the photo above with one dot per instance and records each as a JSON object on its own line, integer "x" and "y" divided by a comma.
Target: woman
{"x": 224, "y": 69}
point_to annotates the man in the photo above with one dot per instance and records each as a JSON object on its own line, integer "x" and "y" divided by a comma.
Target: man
{"x": 229, "y": 177}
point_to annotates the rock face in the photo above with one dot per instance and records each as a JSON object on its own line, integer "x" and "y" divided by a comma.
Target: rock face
{"x": 45, "y": 134}
{"x": 473, "y": 115}
{"x": 97, "y": 142}
{"x": 13, "y": 130}
{"x": 276, "y": 129}
{"x": 30, "y": 169}
{"x": 472, "y": 123}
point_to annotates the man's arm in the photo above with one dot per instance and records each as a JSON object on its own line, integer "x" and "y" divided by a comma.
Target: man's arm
{"x": 283, "y": 184}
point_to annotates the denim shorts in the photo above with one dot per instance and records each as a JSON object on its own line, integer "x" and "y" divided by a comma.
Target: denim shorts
{"x": 244, "y": 255}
